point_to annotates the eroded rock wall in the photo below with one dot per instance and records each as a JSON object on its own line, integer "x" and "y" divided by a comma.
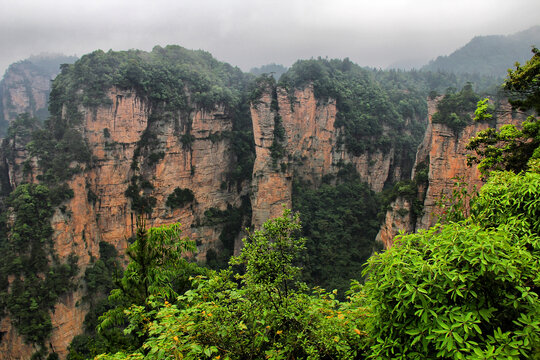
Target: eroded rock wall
{"x": 445, "y": 154}
{"x": 24, "y": 89}
{"x": 113, "y": 134}
{"x": 312, "y": 149}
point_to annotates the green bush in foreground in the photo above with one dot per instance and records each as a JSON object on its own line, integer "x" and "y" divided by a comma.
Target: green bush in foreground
{"x": 464, "y": 290}
{"x": 266, "y": 313}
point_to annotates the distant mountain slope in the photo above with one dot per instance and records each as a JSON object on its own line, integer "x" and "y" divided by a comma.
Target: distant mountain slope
{"x": 276, "y": 70}
{"x": 489, "y": 55}
{"x": 25, "y": 87}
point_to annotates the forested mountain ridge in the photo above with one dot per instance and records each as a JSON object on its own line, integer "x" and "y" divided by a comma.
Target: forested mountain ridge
{"x": 488, "y": 55}
{"x": 175, "y": 135}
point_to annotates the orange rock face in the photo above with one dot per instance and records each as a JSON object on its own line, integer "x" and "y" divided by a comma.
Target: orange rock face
{"x": 23, "y": 89}
{"x": 446, "y": 155}
{"x": 113, "y": 133}
{"x": 311, "y": 149}
{"x": 448, "y": 161}
{"x": 398, "y": 218}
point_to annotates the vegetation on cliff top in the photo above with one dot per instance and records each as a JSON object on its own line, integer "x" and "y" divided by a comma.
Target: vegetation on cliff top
{"x": 369, "y": 118}
{"x": 171, "y": 79}
{"x": 454, "y": 109}
{"x": 510, "y": 147}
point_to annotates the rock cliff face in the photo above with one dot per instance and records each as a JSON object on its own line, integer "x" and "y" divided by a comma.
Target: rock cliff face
{"x": 100, "y": 211}
{"x": 26, "y": 85}
{"x": 443, "y": 151}
{"x": 114, "y": 134}
{"x": 311, "y": 149}
{"x": 24, "y": 89}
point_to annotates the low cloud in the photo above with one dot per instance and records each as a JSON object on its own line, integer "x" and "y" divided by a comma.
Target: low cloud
{"x": 253, "y": 33}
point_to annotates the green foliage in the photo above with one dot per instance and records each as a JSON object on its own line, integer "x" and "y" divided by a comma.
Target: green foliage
{"x": 156, "y": 272}
{"x": 455, "y": 292}
{"x": 100, "y": 279}
{"x": 340, "y": 225}
{"x": 155, "y": 157}
{"x": 364, "y": 108}
{"x": 242, "y": 142}
{"x": 277, "y": 150}
{"x": 484, "y": 110}
{"x": 20, "y": 130}
{"x": 506, "y": 149}
{"x": 59, "y": 158}
{"x": 38, "y": 277}
{"x": 179, "y": 198}
{"x": 523, "y": 83}
{"x": 510, "y": 201}
{"x": 101, "y": 276}
{"x": 511, "y": 148}
{"x": 454, "y": 108}
{"x": 264, "y": 316}
{"x": 467, "y": 289}
{"x": 141, "y": 201}
{"x": 233, "y": 220}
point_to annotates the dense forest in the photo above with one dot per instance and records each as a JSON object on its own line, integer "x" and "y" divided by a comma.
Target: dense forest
{"x": 466, "y": 289}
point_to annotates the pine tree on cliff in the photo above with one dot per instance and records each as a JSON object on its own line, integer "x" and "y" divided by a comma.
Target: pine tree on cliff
{"x": 157, "y": 272}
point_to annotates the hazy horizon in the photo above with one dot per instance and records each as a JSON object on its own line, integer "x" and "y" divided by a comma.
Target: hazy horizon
{"x": 253, "y": 33}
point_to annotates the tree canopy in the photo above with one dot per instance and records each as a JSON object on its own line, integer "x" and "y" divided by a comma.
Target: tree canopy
{"x": 511, "y": 147}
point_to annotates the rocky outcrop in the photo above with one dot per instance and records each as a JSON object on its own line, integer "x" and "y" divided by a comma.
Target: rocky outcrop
{"x": 397, "y": 219}
{"x": 312, "y": 148}
{"x": 24, "y": 89}
{"x": 114, "y": 136}
{"x": 444, "y": 152}
{"x": 99, "y": 209}
{"x": 26, "y": 85}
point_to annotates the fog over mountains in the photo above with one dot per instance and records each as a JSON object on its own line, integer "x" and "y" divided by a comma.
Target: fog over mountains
{"x": 253, "y": 33}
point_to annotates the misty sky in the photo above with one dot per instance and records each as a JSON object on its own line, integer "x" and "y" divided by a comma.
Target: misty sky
{"x": 250, "y": 33}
